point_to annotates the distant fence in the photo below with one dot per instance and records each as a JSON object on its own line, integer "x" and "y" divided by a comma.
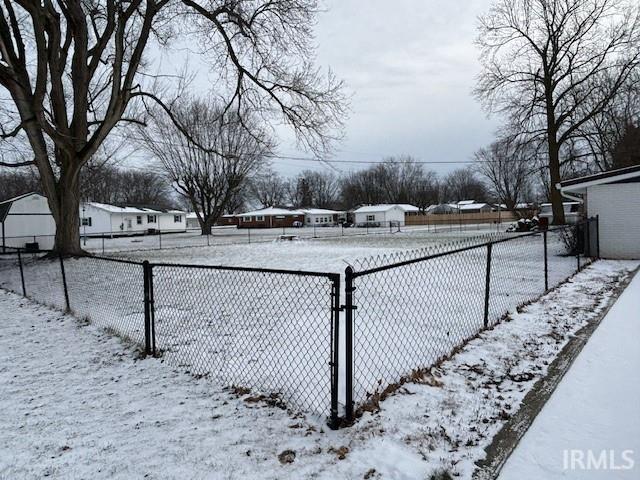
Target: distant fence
{"x": 462, "y": 218}
{"x": 277, "y": 333}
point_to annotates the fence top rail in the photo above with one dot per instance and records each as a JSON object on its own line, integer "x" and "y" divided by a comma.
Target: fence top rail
{"x": 411, "y": 261}
{"x": 302, "y": 273}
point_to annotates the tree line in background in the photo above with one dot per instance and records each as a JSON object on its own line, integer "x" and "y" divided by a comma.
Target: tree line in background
{"x": 563, "y": 74}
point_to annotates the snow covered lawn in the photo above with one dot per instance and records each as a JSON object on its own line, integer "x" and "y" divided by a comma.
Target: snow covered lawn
{"x": 595, "y": 408}
{"x": 77, "y": 403}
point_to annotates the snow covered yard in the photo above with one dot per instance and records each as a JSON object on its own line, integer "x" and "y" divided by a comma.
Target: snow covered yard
{"x": 328, "y": 253}
{"x": 77, "y": 403}
{"x": 225, "y": 236}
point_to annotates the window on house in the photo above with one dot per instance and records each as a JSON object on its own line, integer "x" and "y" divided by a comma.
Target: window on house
{"x": 371, "y": 218}
{"x": 317, "y": 220}
{"x": 259, "y": 218}
{"x": 86, "y": 222}
{"x": 246, "y": 219}
{"x": 280, "y": 217}
{"x": 177, "y": 218}
{"x": 139, "y": 220}
{"x": 151, "y": 219}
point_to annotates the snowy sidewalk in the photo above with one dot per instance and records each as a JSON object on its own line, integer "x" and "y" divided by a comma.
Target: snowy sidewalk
{"x": 596, "y": 407}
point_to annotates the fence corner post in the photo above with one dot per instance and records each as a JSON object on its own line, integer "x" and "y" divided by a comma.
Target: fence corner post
{"x": 146, "y": 271}
{"x": 349, "y": 289}
{"x": 487, "y": 285}
{"x": 24, "y": 289}
{"x": 598, "y": 236}
{"x": 334, "y": 421}
{"x": 64, "y": 283}
{"x": 546, "y": 262}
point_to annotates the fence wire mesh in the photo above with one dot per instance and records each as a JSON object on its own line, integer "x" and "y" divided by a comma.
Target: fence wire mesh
{"x": 266, "y": 331}
{"x": 410, "y": 312}
{"x": 275, "y": 332}
{"x": 109, "y": 293}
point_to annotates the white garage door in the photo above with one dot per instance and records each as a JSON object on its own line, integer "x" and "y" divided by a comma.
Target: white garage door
{"x": 618, "y": 208}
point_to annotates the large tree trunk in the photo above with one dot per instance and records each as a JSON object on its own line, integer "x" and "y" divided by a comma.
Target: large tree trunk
{"x": 554, "y": 157}
{"x": 206, "y": 225}
{"x": 66, "y": 213}
{"x": 554, "y": 170}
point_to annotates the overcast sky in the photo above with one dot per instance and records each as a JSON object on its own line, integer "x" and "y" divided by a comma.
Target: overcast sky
{"x": 410, "y": 66}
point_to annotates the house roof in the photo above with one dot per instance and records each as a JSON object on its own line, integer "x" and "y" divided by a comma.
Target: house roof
{"x": 466, "y": 202}
{"x": 5, "y": 205}
{"x": 472, "y": 206}
{"x": 319, "y": 211}
{"x": 384, "y": 207}
{"x": 115, "y": 209}
{"x": 270, "y": 211}
{"x": 620, "y": 175}
{"x": 131, "y": 209}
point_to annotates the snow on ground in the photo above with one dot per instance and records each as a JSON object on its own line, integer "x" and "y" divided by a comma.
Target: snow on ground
{"x": 332, "y": 254}
{"x": 241, "y": 236}
{"x": 77, "y": 403}
{"x": 603, "y": 382}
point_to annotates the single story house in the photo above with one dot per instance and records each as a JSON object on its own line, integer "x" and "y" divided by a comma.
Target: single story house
{"x": 25, "y": 217}
{"x": 614, "y": 197}
{"x": 100, "y": 219}
{"x": 572, "y": 212}
{"x": 384, "y": 214}
{"x": 441, "y": 209}
{"x": 192, "y": 220}
{"x": 321, "y": 216}
{"x": 271, "y": 217}
{"x": 469, "y": 206}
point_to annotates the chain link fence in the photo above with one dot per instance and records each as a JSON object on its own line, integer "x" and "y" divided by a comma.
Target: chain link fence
{"x": 277, "y": 334}
{"x": 273, "y": 333}
{"x": 407, "y": 312}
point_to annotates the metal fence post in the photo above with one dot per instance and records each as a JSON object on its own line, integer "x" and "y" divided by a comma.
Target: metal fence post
{"x": 152, "y": 311}
{"x": 597, "y": 236}
{"x": 335, "y": 349}
{"x": 64, "y": 283}
{"x": 146, "y": 273}
{"x": 546, "y": 262}
{"x": 349, "y": 307}
{"x": 160, "y": 238}
{"x": 487, "y": 285}
{"x": 103, "y": 244}
{"x": 24, "y": 289}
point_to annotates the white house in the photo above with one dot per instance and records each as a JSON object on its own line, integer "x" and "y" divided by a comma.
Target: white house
{"x": 383, "y": 214}
{"x": 25, "y": 217}
{"x": 614, "y": 197}
{"x": 100, "y": 218}
{"x": 321, "y": 216}
{"x": 473, "y": 207}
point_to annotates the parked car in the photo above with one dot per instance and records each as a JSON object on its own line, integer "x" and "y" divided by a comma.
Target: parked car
{"x": 297, "y": 224}
{"x": 572, "y": 212}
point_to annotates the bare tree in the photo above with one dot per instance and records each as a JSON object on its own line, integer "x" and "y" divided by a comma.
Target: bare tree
{"x": 106, "y": 183}
{"x": 508, "y": 165}
{"x": 399, "y": 179}
{"x": 315, "y": 189}
{"x": 543, "y": 60}
{"x": 268, "y": 188}
{"x": 463, "y": 184}
{"x": 17, "y": 182}
{"x": 212, "y": 177}
{"x": 73, "y": 70}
